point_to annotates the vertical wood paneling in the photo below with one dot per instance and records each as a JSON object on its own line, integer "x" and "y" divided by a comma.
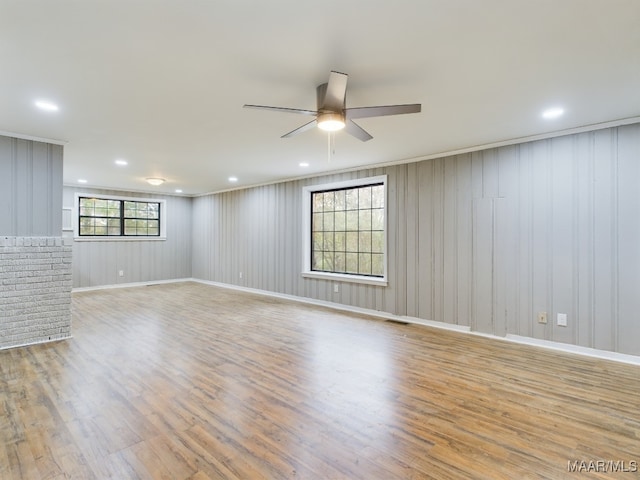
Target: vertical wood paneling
{"x": 628, "y": 241}
{"x": 604, "y": 225}
{"x": 562, "y": 237}
{"x": 97, "y": 263}
{"x": 412, "y": 195}
{"x": 30, "y": 188}
{"x": 486, "y": 239}
{"x": 483, "y": 252}
{"x": 463, "y": 240}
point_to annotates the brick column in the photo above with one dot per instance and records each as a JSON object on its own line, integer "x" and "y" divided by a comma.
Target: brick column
{"x": 35, "y": 290}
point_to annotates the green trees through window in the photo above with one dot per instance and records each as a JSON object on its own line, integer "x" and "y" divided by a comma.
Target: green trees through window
{"x": 108, "y": 217}
{"x": 348, "y": 230}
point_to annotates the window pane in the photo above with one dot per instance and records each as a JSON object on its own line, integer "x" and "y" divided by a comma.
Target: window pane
{"x": 365, "y": 198}
{"x": 352, "y": 263}
{"x": 317, "y": 203}
{"x": 340, "y": 199}
{"x": 340, "y": 219}
{"x": 377, "y": 196}
{"x": 328, "y": 201}
{"x": 316, "y": 222}
{"x": 100, "y": 212}
{"x": 352, "y": 241}
{"x": 377, "y": 219}
{"x": 377, "y": 264}
{"x": 318, "y": 238}
{"x": 364, "y": 244}
{"x": 328, "y": 221}
{"x": 352, "y": 220}
{"x": 352, "y": 199}
{"x": 86, "y": 230}
{"x": 340, "y": 262}
{"x": 86, "y": 202}
{"x": 100, "y": 203}
{"x": 341, "y": 241}
{"x": 377, "y": 242}
{"x": 328, "y": 246}
{"x": 364, "y": 217}
{"x": 364, "y": 265}
{"x": 316, "y": 261}
{"x": 154, "y": 210}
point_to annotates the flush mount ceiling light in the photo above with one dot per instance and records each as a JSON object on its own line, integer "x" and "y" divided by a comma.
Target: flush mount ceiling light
{"x": 330, "y": 122}
{"x": 552, "y": 113}
{"x": 121, "y": 162}
{"x": 155, "y": 181}
{"x": 46, "y": 106}
{"x": 233, "y": 179}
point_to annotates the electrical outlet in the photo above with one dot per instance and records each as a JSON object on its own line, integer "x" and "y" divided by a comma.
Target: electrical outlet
{"x": 336, "y": 288}
{"x": 121, "y": 273}
{"x": 542, "y": 317}
{"x": 562, "y": 319}
{"x": 240, "y": 275}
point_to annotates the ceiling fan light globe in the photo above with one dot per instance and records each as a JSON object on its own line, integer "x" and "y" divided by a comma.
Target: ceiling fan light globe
{"x": 330, "y": 122}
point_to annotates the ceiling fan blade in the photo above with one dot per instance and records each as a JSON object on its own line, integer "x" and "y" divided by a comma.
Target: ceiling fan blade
{"x": 352, "y": 128}
{"x": 303, "y": 128}
{"x": 282, "y": 109}
{"x": 335, "y": 93}
{"x": 380, "y": 111}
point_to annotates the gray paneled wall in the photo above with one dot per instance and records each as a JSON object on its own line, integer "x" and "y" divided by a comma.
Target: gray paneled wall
{"x": 486, "y": 239}
{"x": 30, "y": 188}
{"x": 97, "y": 263}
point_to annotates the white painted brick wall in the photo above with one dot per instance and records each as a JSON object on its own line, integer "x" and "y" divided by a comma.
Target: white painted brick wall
{"x": 35, "y": 290}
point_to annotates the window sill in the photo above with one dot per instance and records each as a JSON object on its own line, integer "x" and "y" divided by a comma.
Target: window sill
{"x": 340, "y": 277}
{"x": 118, "y": 239}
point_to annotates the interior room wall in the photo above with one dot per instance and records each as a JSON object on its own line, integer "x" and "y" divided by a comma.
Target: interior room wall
{"x": 487, "y": 240}
{"x": 99, "y": 262}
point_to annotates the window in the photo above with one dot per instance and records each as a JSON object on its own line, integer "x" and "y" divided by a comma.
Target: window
{"x": 345, "y": 232}
{"x": 119, "y": 217}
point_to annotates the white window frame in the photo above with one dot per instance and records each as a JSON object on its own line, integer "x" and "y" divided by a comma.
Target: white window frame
{"x": 306, "y": 231}
{"x": 113, "y": 238}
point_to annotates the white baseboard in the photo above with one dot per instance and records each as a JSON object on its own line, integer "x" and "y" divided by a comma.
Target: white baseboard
{"x": 562, "y": 347}
{"x": 133, "y": 284}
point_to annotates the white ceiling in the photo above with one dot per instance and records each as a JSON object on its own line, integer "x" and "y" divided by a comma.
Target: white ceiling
{"x": 161, "y": 83}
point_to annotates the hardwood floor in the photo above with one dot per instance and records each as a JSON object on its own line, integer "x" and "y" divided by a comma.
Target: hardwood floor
{"x": 188, "y": 381}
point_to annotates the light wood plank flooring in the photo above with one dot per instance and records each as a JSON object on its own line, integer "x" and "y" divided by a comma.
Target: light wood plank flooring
{"x": 189, "y": 381}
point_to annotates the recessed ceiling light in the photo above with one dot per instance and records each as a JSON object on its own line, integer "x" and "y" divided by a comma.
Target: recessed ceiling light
{"x": 303, "y": 164}
{"x": 46, "y": 106}
{"x": 155, "y": 181}
{"x": 552, "y": 113}
{"x": 121, "y": 162}
{"x": 233, "y": 179}
{"x": 82, "y": 180}
{"x": 178, "y": 190}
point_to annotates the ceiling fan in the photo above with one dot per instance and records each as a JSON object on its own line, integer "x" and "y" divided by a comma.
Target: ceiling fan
{"x": 332, "y": 113}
